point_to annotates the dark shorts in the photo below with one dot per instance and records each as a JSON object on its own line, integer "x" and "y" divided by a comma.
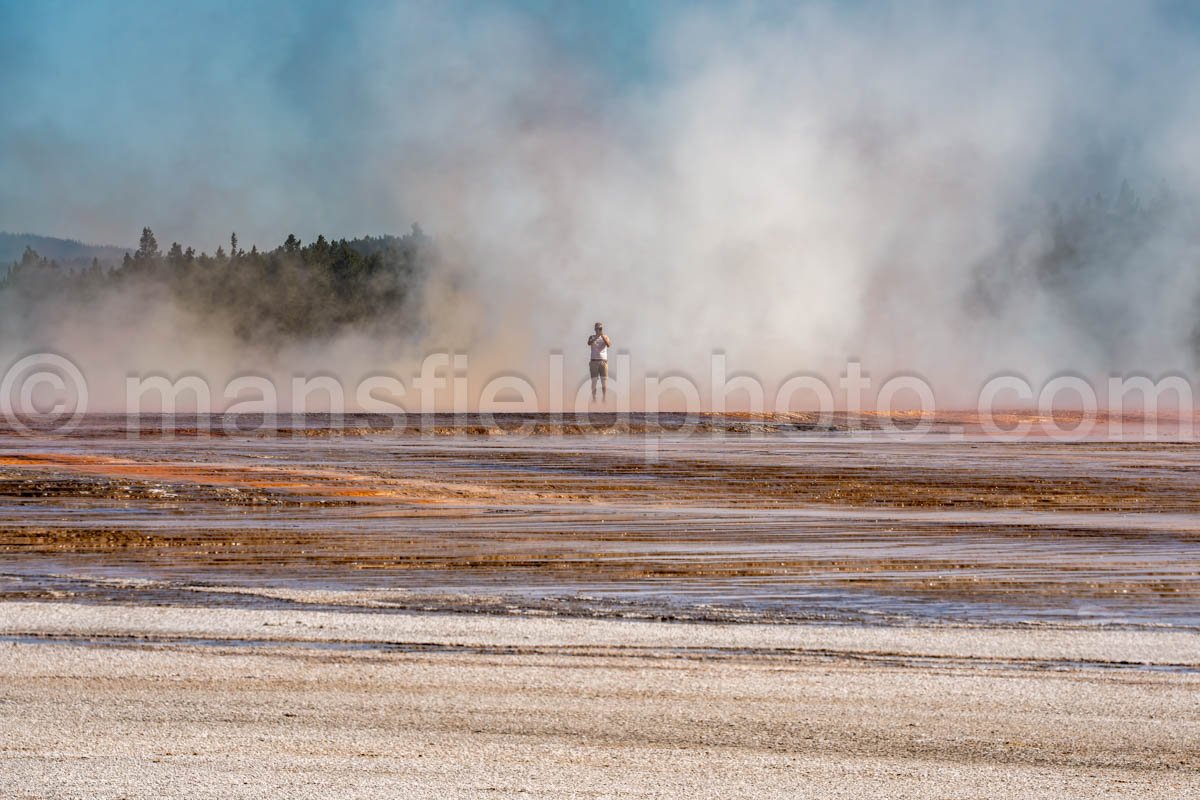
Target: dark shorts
{"x": 599, "y": 369}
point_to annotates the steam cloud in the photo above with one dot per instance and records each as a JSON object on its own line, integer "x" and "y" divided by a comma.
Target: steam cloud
{"x": 913, "y": 185}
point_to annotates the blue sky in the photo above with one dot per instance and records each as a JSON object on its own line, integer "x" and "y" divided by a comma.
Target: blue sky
{"x": 798, "y": 180}
{"x": 187, "y": 115}
{"x": 273, "y": 116}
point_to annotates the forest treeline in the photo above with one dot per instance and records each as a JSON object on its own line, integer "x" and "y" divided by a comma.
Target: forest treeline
{"x": 1108, "y": 267}
{"x": 294, "y": 292}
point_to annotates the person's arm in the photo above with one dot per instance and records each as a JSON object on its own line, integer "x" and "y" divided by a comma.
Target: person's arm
{"x": 607, "y": 341}
{"x": 591, "y": 339}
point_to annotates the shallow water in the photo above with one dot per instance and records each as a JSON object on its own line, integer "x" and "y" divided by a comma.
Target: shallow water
{"x": 778, "y": 524}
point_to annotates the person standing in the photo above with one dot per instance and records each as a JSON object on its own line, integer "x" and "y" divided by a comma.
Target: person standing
{"x": 598, "y": 366}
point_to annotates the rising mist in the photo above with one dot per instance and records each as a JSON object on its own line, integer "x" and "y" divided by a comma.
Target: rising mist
{"x": 928, "y": 189}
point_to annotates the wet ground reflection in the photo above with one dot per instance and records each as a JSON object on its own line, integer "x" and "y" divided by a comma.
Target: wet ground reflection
{"x": 785, "y": 525}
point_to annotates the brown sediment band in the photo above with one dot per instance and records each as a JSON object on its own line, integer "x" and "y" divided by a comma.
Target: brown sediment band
{"x": 1040, "y": 524}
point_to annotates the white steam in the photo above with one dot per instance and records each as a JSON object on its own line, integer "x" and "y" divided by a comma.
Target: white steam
{"x": 794, "y": 187}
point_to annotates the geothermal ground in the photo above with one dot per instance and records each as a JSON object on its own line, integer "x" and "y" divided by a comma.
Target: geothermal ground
{"x": 566, "y": 609}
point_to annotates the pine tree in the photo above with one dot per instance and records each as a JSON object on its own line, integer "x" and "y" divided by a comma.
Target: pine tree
{"x": 147, "y": 247}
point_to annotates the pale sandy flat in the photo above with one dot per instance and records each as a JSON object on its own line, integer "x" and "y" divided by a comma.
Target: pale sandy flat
{"x": 213, "y": 703}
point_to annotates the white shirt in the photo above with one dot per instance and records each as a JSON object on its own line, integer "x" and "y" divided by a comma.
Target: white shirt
{"x": 599, "y": 349}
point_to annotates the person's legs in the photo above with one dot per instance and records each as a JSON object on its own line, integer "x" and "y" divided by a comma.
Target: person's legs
{"x": 594, "y": 370}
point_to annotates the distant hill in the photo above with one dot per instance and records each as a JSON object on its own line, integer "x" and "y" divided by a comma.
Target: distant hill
{"x": 67, "y": 252}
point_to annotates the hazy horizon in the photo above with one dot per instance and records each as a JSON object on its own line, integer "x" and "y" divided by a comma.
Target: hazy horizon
{"x": 929, "y": 189}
